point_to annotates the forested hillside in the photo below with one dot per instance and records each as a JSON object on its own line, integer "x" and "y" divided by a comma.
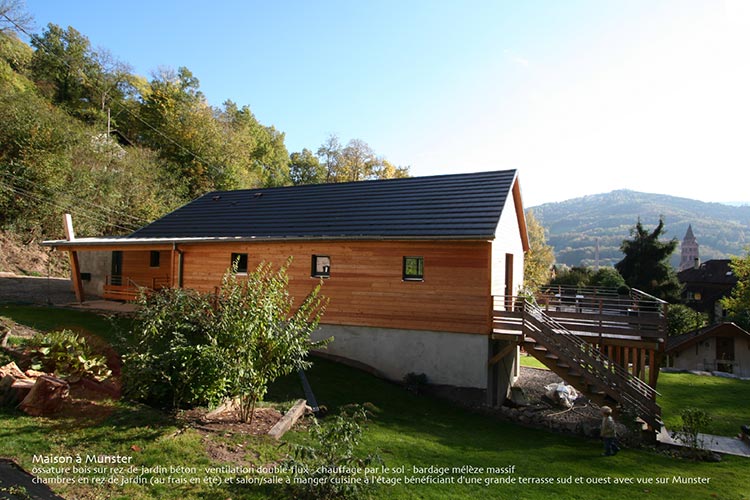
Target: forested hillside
{"x": 81, "y": 133}
{"x": 574, "y": 226}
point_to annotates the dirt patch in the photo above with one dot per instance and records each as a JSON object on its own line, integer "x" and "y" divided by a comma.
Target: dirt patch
{"x": 15, "y": 329}
{"x": 28, "y": 258}
{"x": 225, "y": 437}
{"x": 228, "y": 422}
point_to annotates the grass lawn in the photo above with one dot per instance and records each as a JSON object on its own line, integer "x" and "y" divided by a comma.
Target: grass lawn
{"x": 532, "y": 362}
{"x": 408, "y": 431}
{"x": 724, "y": 399}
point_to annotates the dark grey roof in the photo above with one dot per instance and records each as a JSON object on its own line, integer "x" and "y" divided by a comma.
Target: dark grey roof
{"x": 445, "y": 206}
{"x": 717, "y": 271}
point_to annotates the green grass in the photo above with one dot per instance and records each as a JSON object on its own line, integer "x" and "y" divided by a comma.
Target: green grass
{"x": 532, "y": 362}
{"x": 51, "y": 318}
{"x": 724, "y": 399}
{"x": 407, "y": 430}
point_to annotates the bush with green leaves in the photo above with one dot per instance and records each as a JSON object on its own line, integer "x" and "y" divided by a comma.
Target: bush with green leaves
{"x": 190, "y": 348}
{"x": 328, "y": 467}
{"x": 67, "y": 355}
{"x": 173, "y": 358}
{"x": 682, "y": 319}
{"x": 694, "y": 422}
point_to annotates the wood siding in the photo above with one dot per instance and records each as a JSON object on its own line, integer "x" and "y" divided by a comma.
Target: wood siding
{"x": 365, "y": 287}
{"x": 136, "y": 267}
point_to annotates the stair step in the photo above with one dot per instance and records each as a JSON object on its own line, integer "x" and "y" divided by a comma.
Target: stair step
{"x": 563, "y": 365}
{"x": 551, "y": 356}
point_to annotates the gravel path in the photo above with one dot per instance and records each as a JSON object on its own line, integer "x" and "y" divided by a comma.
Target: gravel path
{"x": 32, "y": 290}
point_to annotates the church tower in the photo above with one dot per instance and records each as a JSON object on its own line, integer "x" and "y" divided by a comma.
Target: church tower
{"x": 689, "y": 249}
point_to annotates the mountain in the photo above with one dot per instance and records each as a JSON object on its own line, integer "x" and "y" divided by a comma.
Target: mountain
{"x": 575, "y": 225}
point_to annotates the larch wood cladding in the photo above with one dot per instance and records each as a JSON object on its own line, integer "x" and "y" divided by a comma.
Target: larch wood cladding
{"x": 136, "y": 265}
{"x": 365, "y": 287}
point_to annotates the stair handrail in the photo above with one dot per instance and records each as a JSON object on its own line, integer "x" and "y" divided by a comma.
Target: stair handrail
{"x": 606, "y": 362}
{"x": 600, "y": 366}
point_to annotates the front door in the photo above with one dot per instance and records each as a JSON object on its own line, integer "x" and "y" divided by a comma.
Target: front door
{"x": 724, "y": 354}
{"x": 508, "y": 281}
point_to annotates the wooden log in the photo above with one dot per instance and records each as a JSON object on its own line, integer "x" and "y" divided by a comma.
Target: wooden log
{"x": 13, "y": 370}
{"x": 45, "y": 397}
{"x": 288, "y": 420}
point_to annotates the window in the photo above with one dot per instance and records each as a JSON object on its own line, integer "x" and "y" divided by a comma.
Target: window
{"x": 321, "y": 266}
{"x": 413, "y": 268}
{"x": 240, "y": 260}
{"x": 154, "y": 260}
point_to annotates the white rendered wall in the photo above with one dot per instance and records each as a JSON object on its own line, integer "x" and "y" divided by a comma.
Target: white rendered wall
{"x": 507, "y": 240}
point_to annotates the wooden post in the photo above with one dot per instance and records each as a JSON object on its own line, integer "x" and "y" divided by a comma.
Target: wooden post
{"x": 75, "y": 269}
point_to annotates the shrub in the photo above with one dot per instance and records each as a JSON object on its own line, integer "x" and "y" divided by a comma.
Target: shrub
{"x": 67, "y": 355}
{"x": 190, "y": 348}
{"x": 329, "y": 468}
{"x": 694, "y": 422}
{"x": 173, "y": 359}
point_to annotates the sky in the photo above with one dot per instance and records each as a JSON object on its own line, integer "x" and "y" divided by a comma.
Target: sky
{"x": 580, "y": 96}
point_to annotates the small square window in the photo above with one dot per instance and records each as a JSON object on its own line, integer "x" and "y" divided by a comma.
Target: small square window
{"x": 240, "y": 260}
{"x": 154, "y": 258}
{"x": 413, "y": 268}
{"x": 321, "y": 266}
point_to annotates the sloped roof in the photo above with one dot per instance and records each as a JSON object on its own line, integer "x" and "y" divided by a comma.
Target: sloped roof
{"x": 460, "y": 206}
{"x": 717, "y": 271}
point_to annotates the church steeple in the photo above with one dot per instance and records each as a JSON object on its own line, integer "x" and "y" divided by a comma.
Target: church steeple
{"x": 689, "y": 249}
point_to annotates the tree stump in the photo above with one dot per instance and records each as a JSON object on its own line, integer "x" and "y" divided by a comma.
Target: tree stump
{"x": 45, "y": 397}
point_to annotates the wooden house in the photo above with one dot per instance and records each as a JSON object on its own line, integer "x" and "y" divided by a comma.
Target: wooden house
{"x": 410, "y": 265}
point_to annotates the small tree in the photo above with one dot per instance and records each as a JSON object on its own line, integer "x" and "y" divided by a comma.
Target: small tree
{"x": 694, "y": 422}
{"x": 537, "y": 264}
{"x": 263, "y": 335}
{"x": 737, "y": 305}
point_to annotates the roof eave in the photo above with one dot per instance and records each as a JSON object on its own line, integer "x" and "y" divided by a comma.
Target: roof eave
{"x": 106, "y": 242}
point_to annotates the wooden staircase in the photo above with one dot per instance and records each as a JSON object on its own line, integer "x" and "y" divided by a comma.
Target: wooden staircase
{"x": 581, "y": 365}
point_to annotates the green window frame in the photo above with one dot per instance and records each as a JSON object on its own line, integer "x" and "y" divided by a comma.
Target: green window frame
{"x": 413, "y": 268}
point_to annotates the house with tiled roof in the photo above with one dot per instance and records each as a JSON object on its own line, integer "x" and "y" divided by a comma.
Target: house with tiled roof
{"x": 410, "y": 266}
{"x": 705, "y": 284}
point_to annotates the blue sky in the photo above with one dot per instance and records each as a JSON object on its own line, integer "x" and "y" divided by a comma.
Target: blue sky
{"x": 581, "y": 97}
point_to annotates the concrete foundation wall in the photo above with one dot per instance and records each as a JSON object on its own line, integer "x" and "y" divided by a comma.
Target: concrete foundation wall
{"x": 98, "y": 264}
{"x": 453, "y": 359}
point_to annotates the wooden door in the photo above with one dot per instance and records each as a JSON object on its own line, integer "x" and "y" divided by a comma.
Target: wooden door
{"x": 724, "y": 354}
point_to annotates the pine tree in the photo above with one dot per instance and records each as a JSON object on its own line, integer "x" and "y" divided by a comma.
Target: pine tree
{"x": 646, "y": 263}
